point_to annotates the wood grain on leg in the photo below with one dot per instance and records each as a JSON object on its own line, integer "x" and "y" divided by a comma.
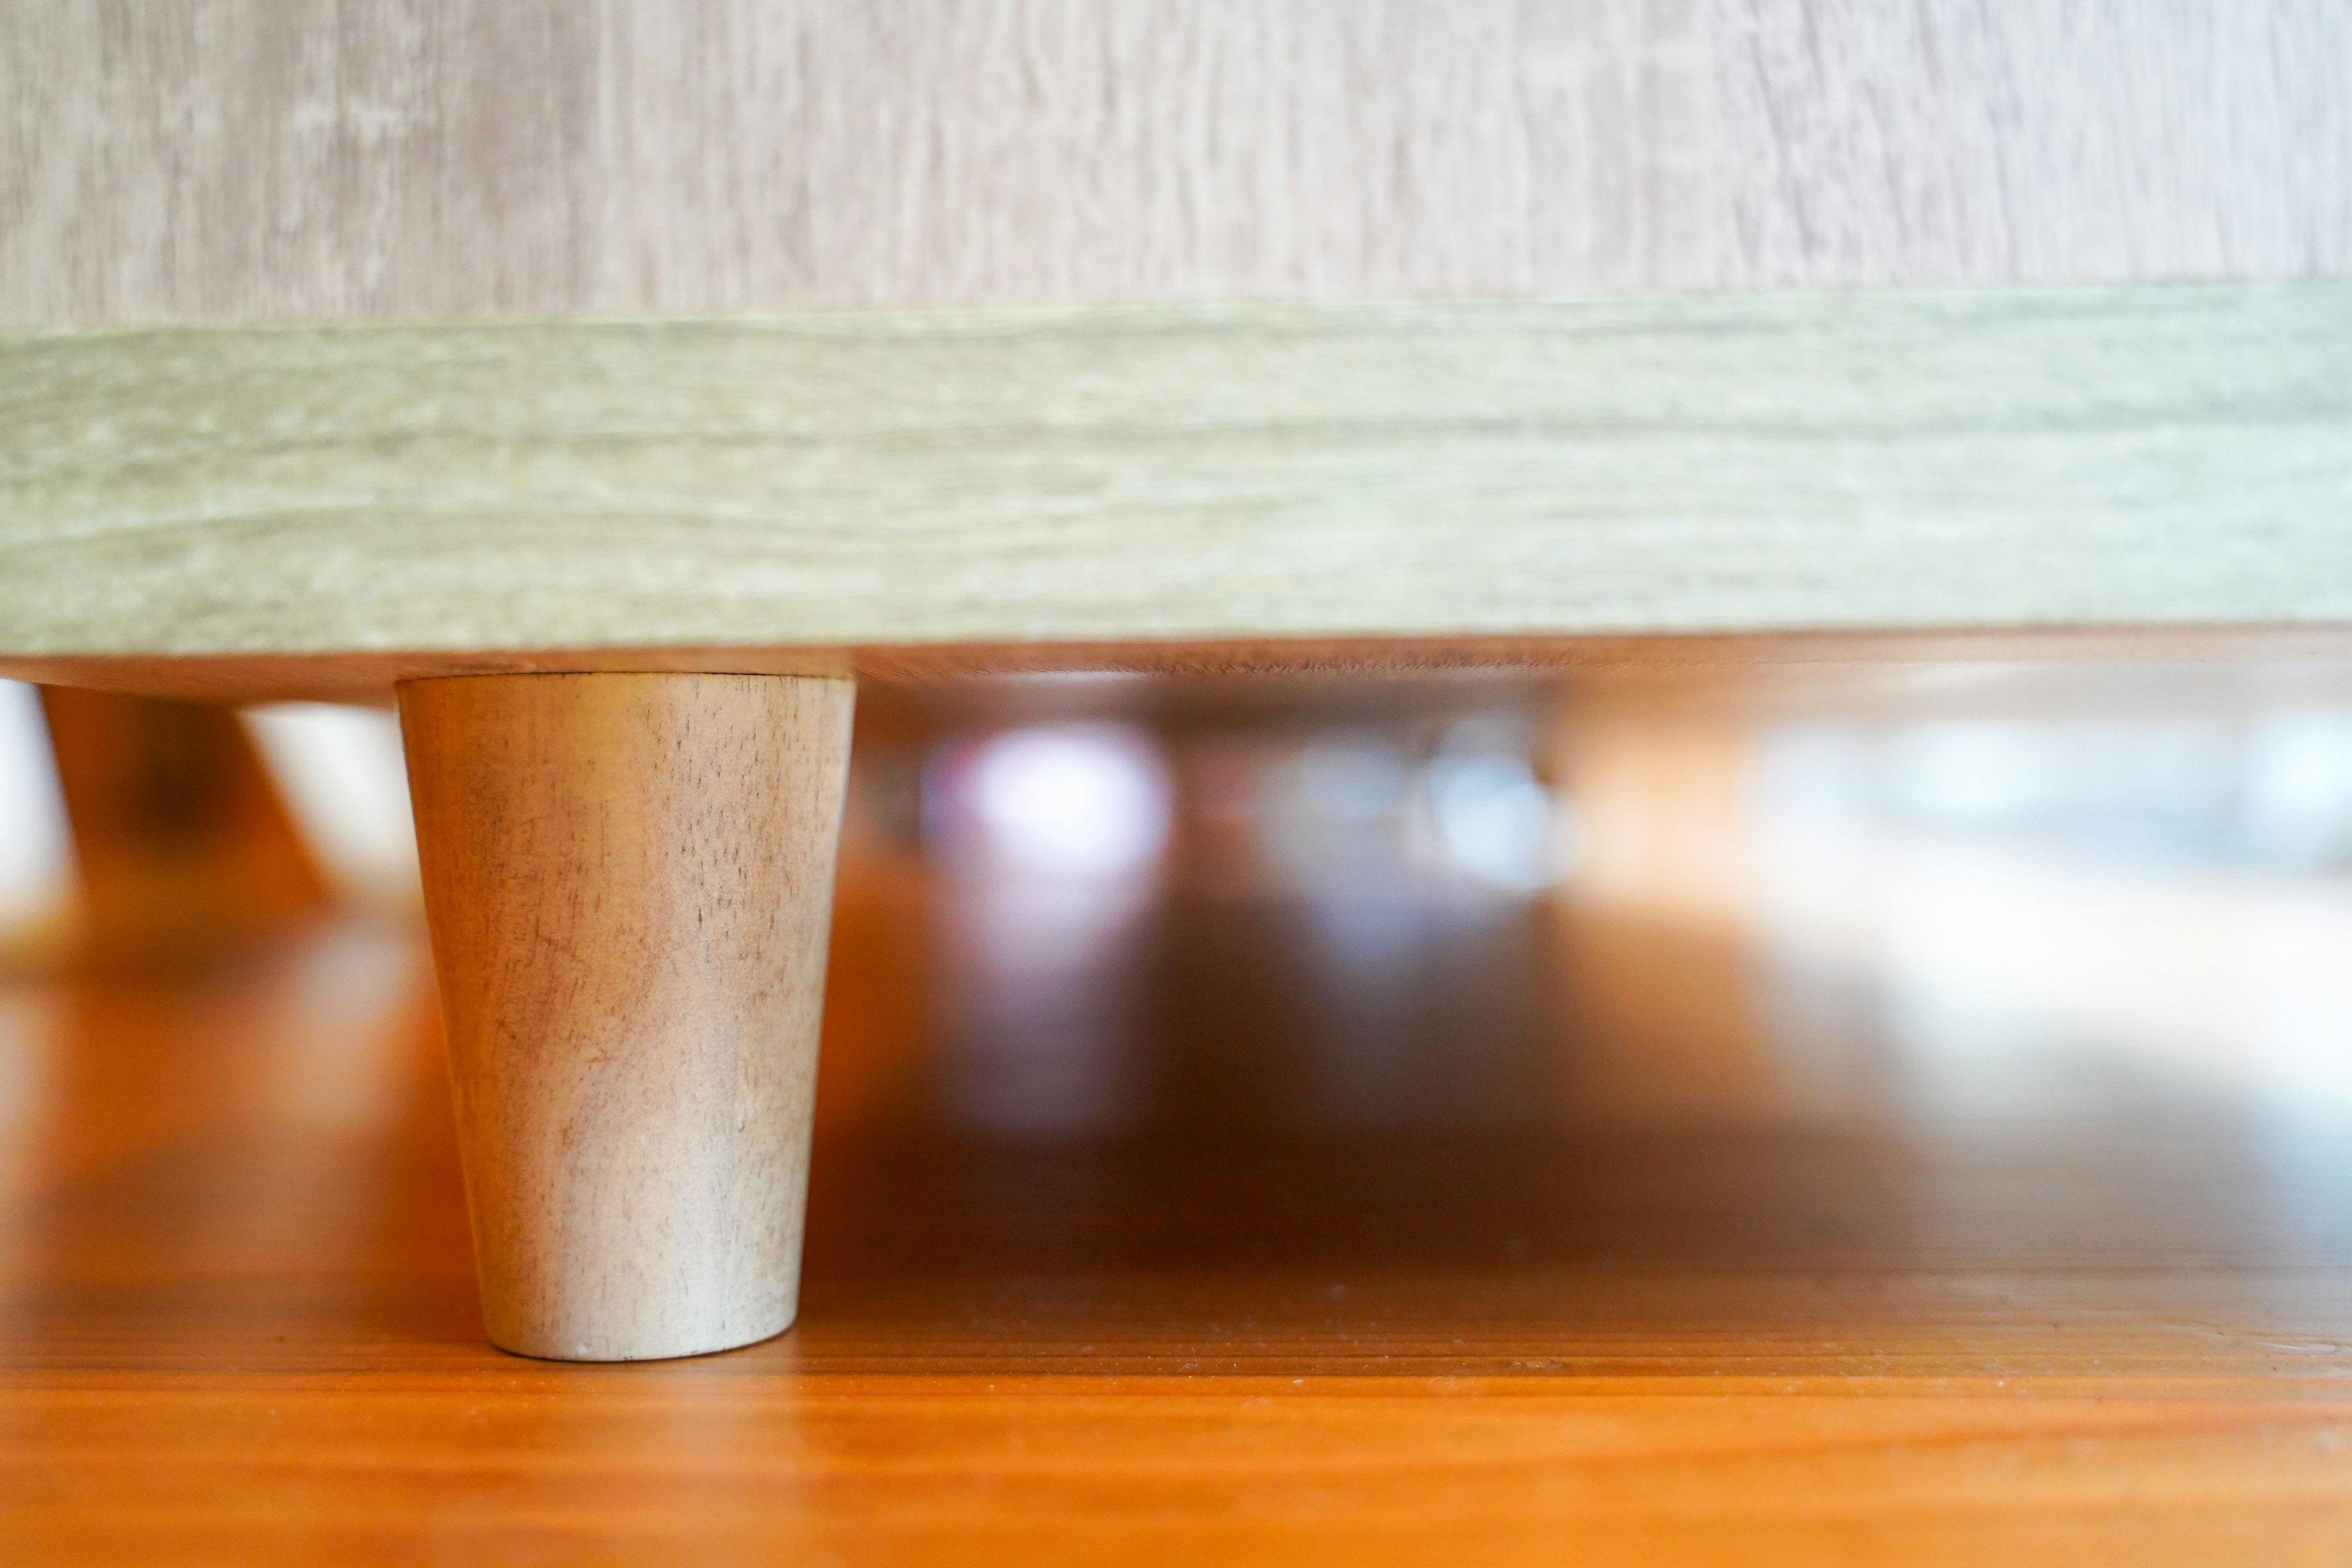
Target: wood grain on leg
{"x": 629, "y": 879}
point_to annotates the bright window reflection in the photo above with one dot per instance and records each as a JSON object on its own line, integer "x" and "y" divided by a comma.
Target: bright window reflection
{"x": 343, "y": 777}
{"x": 1349, "y": 805}
{"x": 1066, "y": 799}
{"x": 2163, "y": 894}
{"x": 36, "y": 848}
{"x": 1495, "y": 820}
{"x": 1049, "y": 840}
{"x": 2297, "y": 800}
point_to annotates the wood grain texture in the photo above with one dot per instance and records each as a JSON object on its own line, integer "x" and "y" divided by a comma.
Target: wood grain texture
{"x": 217, "y": 160}
{"x": 822, "y": 484}
{"x": 629, "y": 879}
{"x": 238, "y": 1326}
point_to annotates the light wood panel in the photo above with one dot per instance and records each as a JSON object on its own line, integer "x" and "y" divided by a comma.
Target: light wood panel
{"x": 818, "y": 485}
{"x": 222, "y": 160}
{"x": 630, "y": 883}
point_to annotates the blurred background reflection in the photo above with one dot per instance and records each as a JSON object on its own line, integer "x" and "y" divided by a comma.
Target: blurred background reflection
{"x": 1086, "y": 905}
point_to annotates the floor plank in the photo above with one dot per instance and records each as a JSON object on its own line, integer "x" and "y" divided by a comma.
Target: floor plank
{"x": 239, "y": 1325}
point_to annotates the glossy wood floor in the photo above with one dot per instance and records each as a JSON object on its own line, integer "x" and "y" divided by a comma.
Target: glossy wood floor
{"x": 1482, "y": 1237}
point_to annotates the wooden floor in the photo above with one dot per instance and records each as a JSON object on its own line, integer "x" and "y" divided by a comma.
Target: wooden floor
{"x": 1507, "y": 1313}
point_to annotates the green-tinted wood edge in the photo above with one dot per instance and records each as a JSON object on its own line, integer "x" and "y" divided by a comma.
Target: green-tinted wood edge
{"x": 1444, "y": 472}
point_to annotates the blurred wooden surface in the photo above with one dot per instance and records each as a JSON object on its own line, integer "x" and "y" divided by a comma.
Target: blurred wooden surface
{"x": 237, "y": 1323}
{"x": 184, "y": 845}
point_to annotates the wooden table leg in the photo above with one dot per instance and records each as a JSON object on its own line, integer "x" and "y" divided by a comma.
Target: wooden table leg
{"x": 184, "y": 846}
{"x": 629, "y": 879}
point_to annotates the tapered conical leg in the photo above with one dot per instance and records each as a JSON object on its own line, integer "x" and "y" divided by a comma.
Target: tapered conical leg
{"x": 629, "y": 879}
